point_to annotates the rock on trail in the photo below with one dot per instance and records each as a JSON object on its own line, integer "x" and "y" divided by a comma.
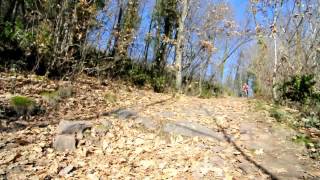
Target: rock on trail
{"x": 68, "y": 133}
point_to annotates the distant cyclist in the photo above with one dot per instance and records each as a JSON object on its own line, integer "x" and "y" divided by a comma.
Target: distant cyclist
{"x": 245, "y": 89}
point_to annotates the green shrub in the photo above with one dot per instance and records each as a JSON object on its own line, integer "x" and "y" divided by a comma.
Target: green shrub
{"x": 217, "y": 90}
{"x": 207, "y": 90}
{"x": 299, "y": 89}
{"x": 138, "y": 76}
{"x": 206, "y": 94}
{"x": 159, "y": 84}
{"x": 22, "y": 105}
{"x": 312, "y": 121}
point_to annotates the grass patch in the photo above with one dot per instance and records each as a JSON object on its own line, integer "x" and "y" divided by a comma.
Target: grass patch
{"x": 259, "y": 105}
{"x": 205, "y": 94}
{"x": 110, "y": 98}
{"x": 312, "y": 145}
{"x": 22, "y": 105}
{"x": 302, "y": 139}
{"x": 279, "y": 114}
{"x": 54, "y": 97}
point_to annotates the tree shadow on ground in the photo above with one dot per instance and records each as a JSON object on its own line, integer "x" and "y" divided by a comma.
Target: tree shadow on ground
{"x": 249, "y": 159}
{"x": 195, "y": 132}
{"x": 229, "y": 140}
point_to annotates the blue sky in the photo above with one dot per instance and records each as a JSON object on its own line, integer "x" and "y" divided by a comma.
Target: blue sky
{"x": 239, "y": 8}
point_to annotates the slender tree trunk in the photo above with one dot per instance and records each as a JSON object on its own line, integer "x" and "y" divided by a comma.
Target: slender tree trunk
{"x": 112, "y": 35}
{"x": 275, "y": 62}
{"x": 146, "y": 49}
{"x": 180, "y": 41}
{"x": 117, "y": 29}
{"x": 9, "y": 13}
{"x": 203, "y": 71}
{"x": 200, "y": 78}
{"x": 275, "y": 66}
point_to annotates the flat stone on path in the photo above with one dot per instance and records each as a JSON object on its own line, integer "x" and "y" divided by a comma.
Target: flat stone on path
{"x": 65, "y": 171}
{"x": 147, "y": 122}
{"x": 166, "y": 114}
{"x": 125, "y": 113}
{"x": 72, "y": 127}
{"x": 191, "y": 129}
{"x": 64, "y": 142}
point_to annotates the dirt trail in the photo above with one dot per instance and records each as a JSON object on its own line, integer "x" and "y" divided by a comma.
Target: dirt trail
{"x": 260, "y": 144}
{"x": 166, "y": 138}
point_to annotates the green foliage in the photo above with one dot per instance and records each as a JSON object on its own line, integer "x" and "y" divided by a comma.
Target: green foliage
{"x": 260, "y": 105}
{"x": 44, "y": 37}
{"x": 209, "y": 90}
{"x": 299, "y": 89}
{"x": 131, "y": 17}
{"x": 138, "y": 76}
{"x": 159, "y": 84}
{"x": 8, "y": 31}
{"x": 100, "y": 4}
{"x": 302, "y": 139}
{"x": 21, "y": 101}
{"x": 206, "y": 93}
{"x": 22, "y": 105}
{"x": 311, "y": 121}
{"x": 52, "y": 98}
{"x": 217, "y": 89}
{"x": 48, "y": 36}
{"x": 15, "y": 32}
{"x": 312, "y": 145}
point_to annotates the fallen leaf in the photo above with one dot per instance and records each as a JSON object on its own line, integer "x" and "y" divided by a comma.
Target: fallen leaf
{"x": 258, "y": 151}
{"x": 147, "y": 164}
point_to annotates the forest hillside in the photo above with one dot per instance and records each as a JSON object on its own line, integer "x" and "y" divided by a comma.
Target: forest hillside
{"x": 159, "y": 89}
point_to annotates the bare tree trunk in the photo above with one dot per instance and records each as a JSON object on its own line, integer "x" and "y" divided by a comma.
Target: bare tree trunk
{"x": 203, "y": 71}
{"x": 275, "y": 62}
{"x": 146, "y": 49}
{"x": 179, "y": 47}
{"x": 201, "y": 76}
{"x": 275, "y": 66}
{"x": 117, "y": 30}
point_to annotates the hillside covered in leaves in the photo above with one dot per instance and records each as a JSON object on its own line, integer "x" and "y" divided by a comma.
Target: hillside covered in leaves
{"x": 159, "y": 89}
